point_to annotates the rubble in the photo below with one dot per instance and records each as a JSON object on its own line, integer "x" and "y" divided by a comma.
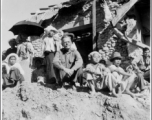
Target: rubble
{"x": 32, "y": 102}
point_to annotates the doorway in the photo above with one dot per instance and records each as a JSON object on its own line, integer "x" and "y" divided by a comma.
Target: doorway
{"x": 83, "y": 40}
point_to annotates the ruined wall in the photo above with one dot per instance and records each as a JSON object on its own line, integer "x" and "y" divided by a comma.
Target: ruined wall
{"x": 107, "y": 41}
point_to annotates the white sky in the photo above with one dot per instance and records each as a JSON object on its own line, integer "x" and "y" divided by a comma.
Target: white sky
{"x": 14, "y": 11}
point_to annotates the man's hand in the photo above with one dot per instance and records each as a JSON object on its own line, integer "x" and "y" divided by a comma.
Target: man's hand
{"x": 135, "y": 66}
{"x": 69, "y": 71}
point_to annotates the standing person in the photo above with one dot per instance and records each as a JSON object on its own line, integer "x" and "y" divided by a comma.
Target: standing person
{"x": 25, "y": 52}
{"x": 49, "y": 51}
{"x": 37, "y": 43}
{"x": 12, "y": 72}
{"x": 68, "y": 62}
{"x": 12, "y": 48}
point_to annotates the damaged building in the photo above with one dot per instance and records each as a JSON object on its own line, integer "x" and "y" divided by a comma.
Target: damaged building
{"x": 102, "y": 25}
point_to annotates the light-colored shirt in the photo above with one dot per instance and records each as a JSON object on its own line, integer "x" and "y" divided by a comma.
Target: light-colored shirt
{"x": 117, "y": 76}
{"x": 48, "y": 44}
{"x": 95, "y": 68}
{"x": 71, "y": 59}
{"x": 25, "y": 49}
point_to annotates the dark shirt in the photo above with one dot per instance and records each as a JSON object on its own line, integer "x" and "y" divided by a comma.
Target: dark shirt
{"x": 9, "y": 51}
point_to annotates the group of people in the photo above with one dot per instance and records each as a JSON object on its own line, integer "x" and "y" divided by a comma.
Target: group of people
{"x": 61, "y": 63}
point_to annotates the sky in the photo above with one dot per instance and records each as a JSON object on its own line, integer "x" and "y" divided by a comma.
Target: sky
{"x": 14, "y": 11}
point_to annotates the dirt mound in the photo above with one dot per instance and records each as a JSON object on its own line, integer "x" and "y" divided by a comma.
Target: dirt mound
{"x": 32, "y": 102}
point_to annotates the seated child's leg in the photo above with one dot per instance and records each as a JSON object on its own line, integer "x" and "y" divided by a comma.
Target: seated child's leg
{"x": 131, "y": 81}
{"x": 119, "y": 89}
{"x": 91, "y": 85}
{"x": 112, "y": 85}
{"x": 114, "y": 92}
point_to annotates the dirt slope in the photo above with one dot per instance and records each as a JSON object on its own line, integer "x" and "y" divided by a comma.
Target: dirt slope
{"x": 32, "y": 102}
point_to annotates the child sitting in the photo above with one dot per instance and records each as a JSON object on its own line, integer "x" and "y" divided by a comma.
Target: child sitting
{"x": 38, "y": 74}
{"x": 12, "y": 71}
{"x": 94, "y": 70}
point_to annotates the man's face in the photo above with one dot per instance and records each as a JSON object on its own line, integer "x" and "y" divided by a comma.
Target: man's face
{"x": 146, "y": 53}
{"x": 12, "y": 60}
{"x": 95, "y": 58}
{"x": 12, "y": 44}
{"x": 66, "y": 42}
{"x": 117, "y": 62}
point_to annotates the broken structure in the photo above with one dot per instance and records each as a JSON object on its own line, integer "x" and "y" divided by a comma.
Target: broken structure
{"x": 127, "y": 29}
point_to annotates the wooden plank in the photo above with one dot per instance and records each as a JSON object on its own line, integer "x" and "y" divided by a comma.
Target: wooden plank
{"x": 135, "y": 42}
{"x": 78, "y": 28}
{"x": 94, "y": 24}
{"x": 129, "y": 40}
{"x": 122, "y": 11}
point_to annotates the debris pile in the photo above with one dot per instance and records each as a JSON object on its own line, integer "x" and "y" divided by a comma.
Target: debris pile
{"x": 32, "y": 102}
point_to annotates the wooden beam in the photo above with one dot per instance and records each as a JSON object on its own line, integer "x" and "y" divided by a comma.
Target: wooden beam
{"x": 122, "y": 11}
{"x": 78, "y": 28}
{"x": 44, "y": 8}
{"x": 94, "y": 25}
{"x": 32, "y": 13}
{"x": 129, "y": 40}
{"x": 52, "y": 5}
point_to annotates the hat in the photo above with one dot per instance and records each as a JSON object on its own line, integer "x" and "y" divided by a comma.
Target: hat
{"x": 69, "y": 34}
{"x": 51, "y": 28}
{"x": 116, "y": 55}
{"x": 92, "y": 53}
{"x": 10, "y": 55}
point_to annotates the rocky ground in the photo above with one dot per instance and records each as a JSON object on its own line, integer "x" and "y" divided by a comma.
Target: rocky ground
{"x": 31, "y": 102}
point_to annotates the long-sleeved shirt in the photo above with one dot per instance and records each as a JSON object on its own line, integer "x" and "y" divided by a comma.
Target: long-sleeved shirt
{"x": 71, "y": 59}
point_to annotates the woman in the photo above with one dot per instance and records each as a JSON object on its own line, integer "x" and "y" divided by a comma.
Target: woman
{"x": 25, "y": 52}
{"x": 12, "y": 72}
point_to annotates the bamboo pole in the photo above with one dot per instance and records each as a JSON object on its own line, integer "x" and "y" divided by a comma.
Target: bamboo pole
{"x": 94, "y": 25}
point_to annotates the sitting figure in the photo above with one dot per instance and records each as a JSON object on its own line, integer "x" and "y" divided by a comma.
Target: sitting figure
{"x": 140, "y": 75}
{"x": 121, "y": 81}
{"x": 94, "y": 70}
{"x": 12, "y": 71}
{"x": 144, "y": 64}
{"x": 68, "y": 62}
{"x": 38, "y": 75}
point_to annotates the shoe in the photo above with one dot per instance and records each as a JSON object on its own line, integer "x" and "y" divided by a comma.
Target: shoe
{"x": 74, "y": 87}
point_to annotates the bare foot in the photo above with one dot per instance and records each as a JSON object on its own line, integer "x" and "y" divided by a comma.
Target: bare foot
{"x": 92, "y": 92}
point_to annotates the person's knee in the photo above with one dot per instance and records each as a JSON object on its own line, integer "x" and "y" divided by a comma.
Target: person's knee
{"x": 16, "y": 70}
